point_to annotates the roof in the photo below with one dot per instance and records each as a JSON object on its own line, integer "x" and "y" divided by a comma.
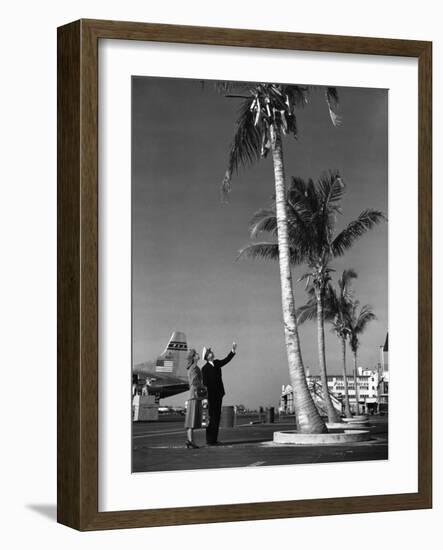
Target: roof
{"x": 385, "y": 347}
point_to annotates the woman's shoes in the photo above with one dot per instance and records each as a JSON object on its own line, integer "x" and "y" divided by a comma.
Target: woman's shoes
{"x": 191, "y": 445}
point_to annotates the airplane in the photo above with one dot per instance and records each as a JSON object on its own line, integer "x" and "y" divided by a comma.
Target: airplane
{"x": 167, "y": 375}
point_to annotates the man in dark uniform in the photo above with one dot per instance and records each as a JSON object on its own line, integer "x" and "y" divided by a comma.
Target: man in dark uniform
{"x": 212, "y": 379}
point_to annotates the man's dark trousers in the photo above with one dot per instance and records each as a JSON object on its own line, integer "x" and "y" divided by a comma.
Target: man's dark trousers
{"x": 212, "y": 379}
{"x": 214, "y": 409}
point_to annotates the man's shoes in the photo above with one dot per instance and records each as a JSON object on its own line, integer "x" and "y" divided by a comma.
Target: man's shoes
{"x": 191, "y": 445}
{"x": 214, "y": 443}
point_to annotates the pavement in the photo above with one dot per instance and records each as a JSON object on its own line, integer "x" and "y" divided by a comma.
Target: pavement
{"x": 160, "y": 446}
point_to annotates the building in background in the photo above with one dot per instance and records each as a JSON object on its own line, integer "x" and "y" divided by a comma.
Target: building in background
{"x": 373, "y": 386}
{"x": 368, "y": 387}
{"x": 383, "y": 385}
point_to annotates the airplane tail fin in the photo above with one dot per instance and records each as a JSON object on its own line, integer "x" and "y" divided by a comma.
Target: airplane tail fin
{"x": 173, "y": 359}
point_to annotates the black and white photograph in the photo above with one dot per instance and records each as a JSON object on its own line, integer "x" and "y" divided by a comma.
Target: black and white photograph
{"x": 218, "y": 274}
{"x": 259, "y": 274}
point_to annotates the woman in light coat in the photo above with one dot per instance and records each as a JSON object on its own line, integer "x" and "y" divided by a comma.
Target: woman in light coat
{"x": 197, "y": 393}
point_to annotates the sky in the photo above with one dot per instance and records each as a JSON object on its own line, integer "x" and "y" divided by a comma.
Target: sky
{"x": 186, "y": 240}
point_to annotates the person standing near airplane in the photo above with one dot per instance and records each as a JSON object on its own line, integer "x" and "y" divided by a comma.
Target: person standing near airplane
{"x": 212, "y": 379}
{"x": 197, "y": 392}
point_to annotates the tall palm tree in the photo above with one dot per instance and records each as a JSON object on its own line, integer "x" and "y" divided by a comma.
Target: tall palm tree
{"x": 267, "y": 113}
{"x": 312, "y": 210}
{"x": 357, "y": 322}
{"x": 338, "y": 305}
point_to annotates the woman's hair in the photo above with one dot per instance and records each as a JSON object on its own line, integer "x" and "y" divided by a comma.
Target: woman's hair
{"x": 191, "y": 357}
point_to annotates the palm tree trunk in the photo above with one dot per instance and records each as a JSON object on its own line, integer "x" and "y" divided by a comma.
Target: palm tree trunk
{"x": 332, "y": 414}
{"x": 345, "y": 379}
{"x": 357, "y": 397}
{"x": 307, "y": 416}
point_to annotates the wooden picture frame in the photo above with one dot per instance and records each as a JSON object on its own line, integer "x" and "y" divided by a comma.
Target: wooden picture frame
{"x": 77, "y": 480}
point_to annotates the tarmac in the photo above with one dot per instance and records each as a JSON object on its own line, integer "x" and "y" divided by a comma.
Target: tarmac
{"x": 160, "y": 446}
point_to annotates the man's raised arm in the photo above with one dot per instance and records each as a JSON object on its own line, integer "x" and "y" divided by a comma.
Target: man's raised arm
{"x": 225, "y": 361}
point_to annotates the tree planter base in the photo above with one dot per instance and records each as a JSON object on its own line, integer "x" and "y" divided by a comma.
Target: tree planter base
{"x": 332, "y": 438}
{"x": 357, "y": 418}
{"x": 340, "y": 426}
{"x": 360, "y": 420}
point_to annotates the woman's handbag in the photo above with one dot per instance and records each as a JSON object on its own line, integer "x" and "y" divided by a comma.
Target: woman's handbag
{"x": 201, "y": 392}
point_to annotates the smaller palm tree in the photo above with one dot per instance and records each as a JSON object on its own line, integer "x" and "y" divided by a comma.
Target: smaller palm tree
{"x": 340, "y": 304}
{"x": 337, "y": 306}
{"x": 359, "y": 318}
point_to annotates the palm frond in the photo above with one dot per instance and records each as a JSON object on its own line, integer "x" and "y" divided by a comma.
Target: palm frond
{"x": 355, "y": 229}
{"x": 358, "y": 321}
{"x": 332, "y": 102}
{"x": 245, "y": 148}
{"x": 267, "y": 251}
{"x": 296, "y": 96}
{"x": 302, "y": 196}
{"x": 263, "y": 220}
{"x": 299, "y": 229}
{"x": 337, "y": 308}
{"x": 263, "y": 250}
{"x": 332, "y": 299}
{"x": 344, "y": 283}
{"x": 331, "y": 188}
{"x": 265, "y": 104}
{"x": 307, "y": 312}
{"x": 228, "y": 86}
{"x": 308, "y": 285}
{"x": 347, "y": 276}
{"x": 365, "y": 316}
{"x": 354, "y": 342}
{"x": 304, "y": 277}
